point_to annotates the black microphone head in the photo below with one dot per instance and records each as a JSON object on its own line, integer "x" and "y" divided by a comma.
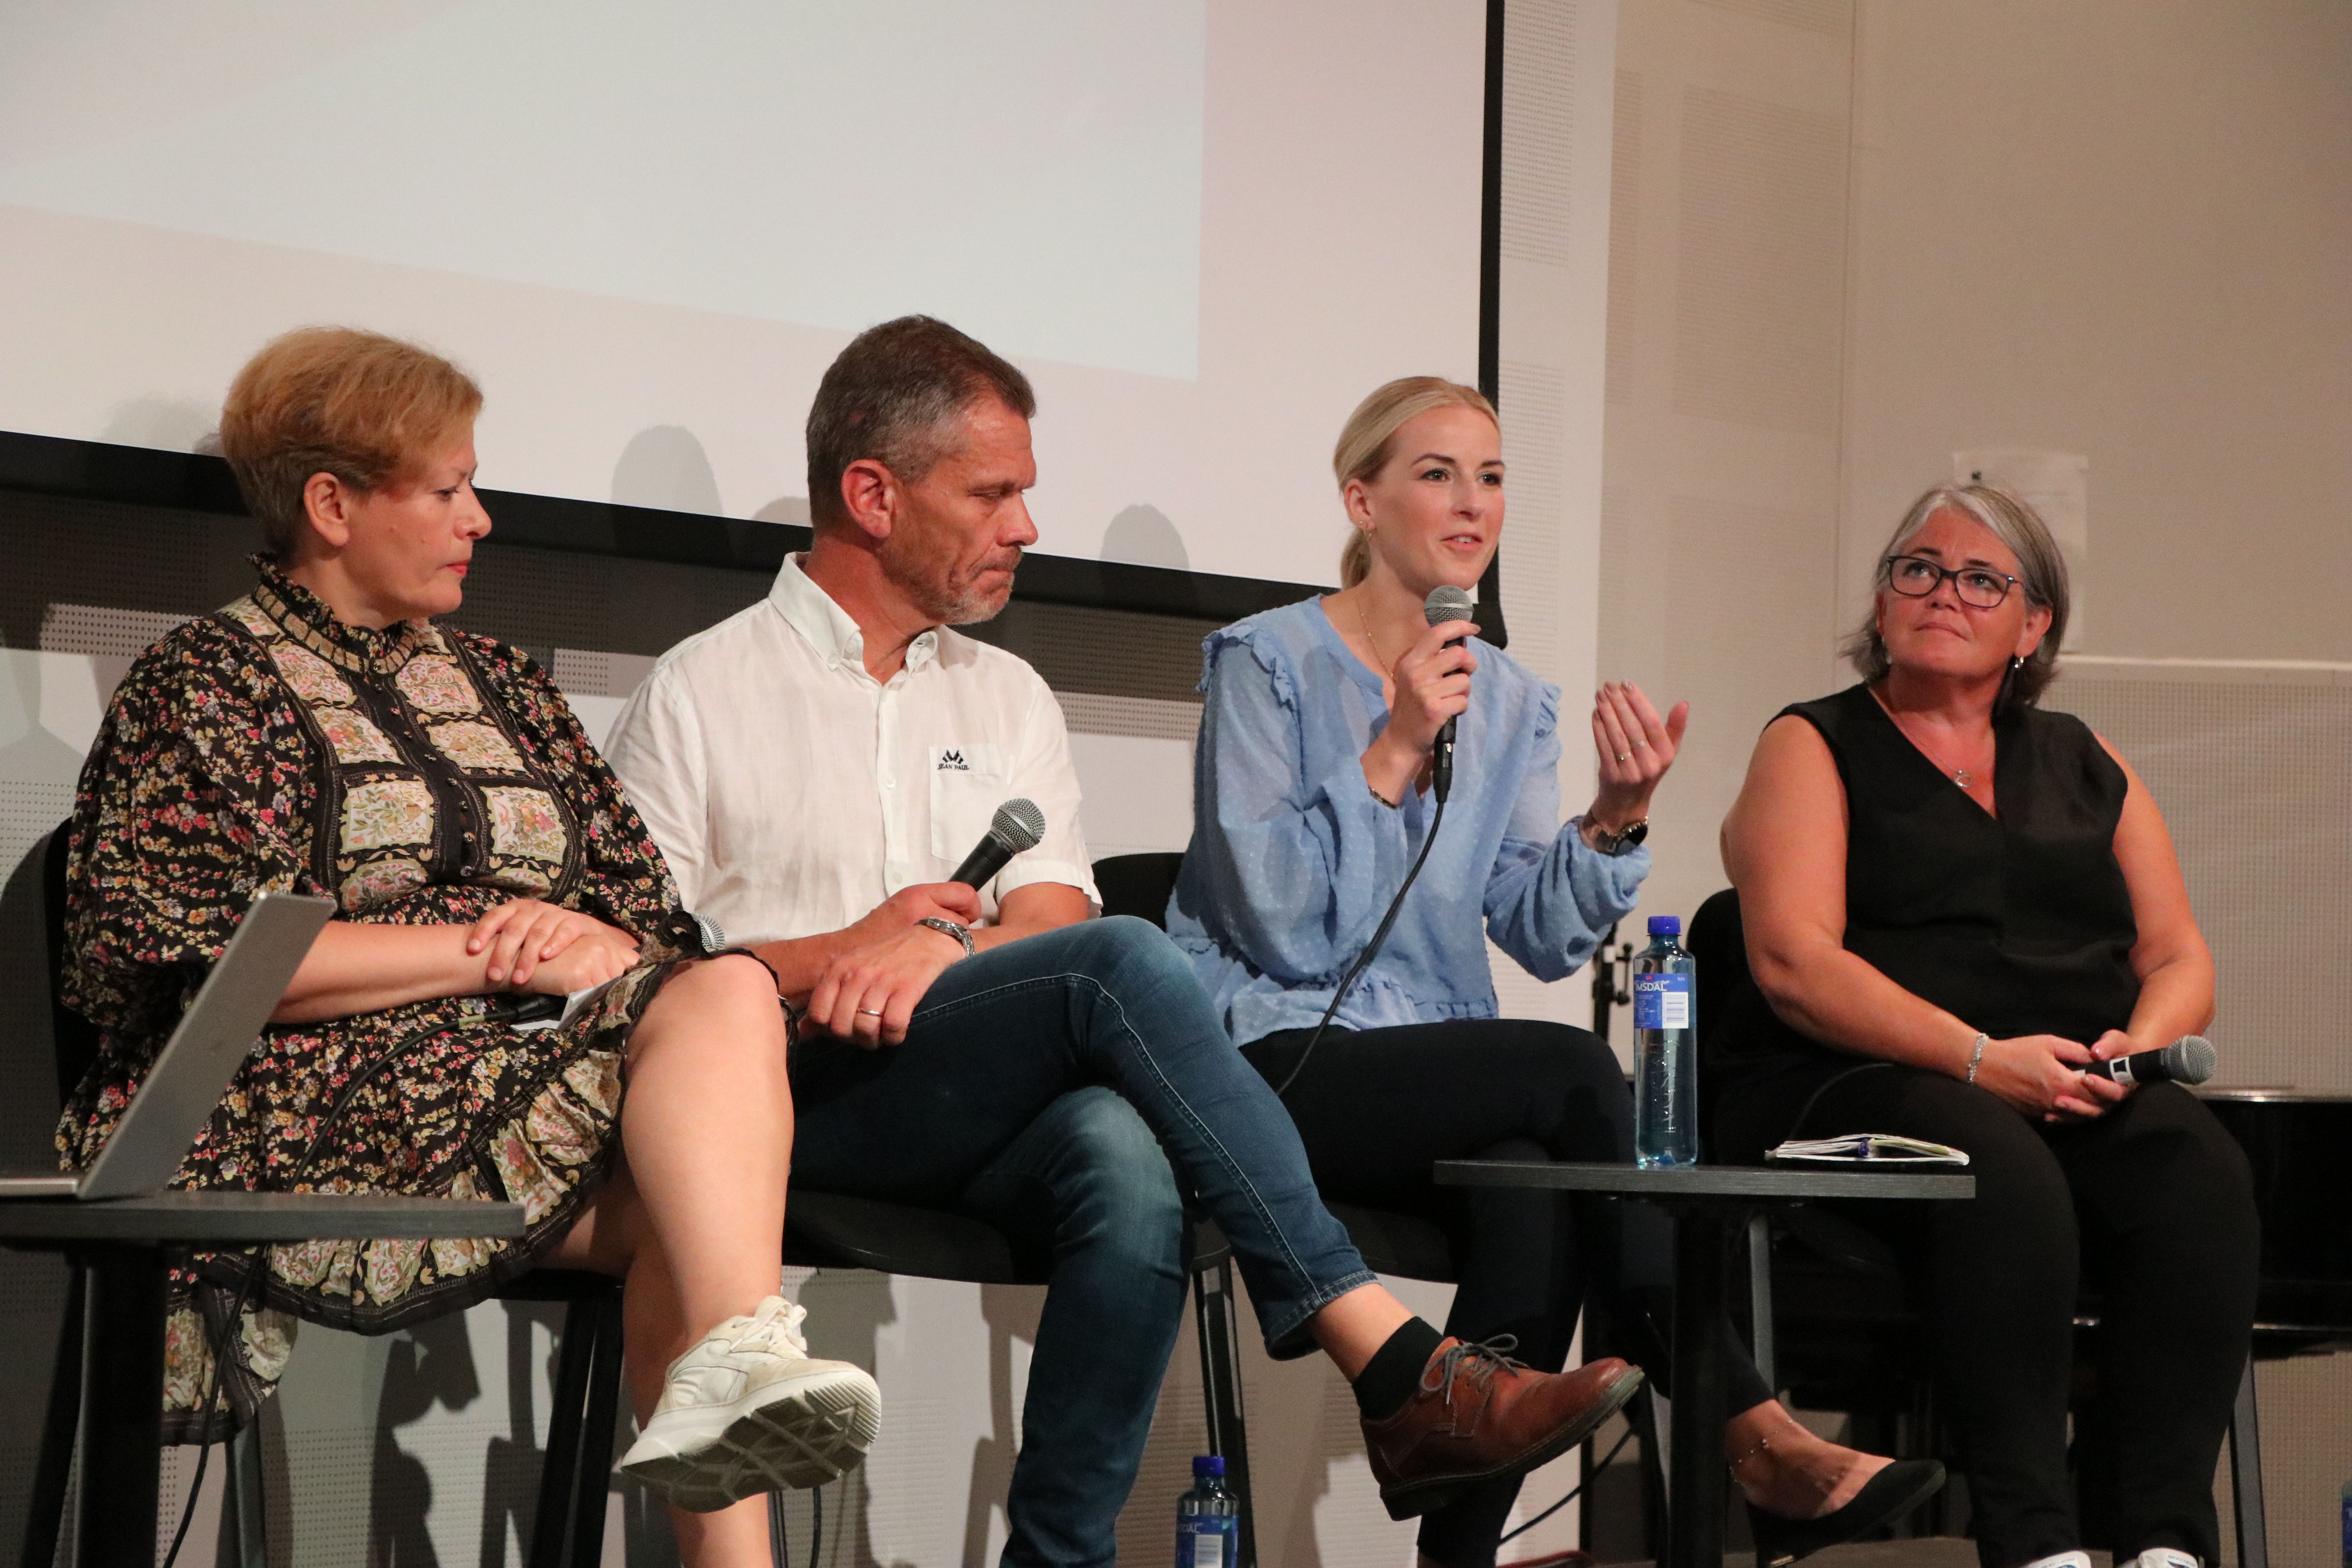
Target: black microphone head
{"x": 1446, "y": 603}
{"x": 2191, "y": 1059}
{"x": 1018, "y": 824}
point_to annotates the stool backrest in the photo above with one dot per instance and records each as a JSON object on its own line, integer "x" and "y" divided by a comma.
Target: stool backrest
{"x": 1138, "y": 885}
{"x": 1717, "y": 941}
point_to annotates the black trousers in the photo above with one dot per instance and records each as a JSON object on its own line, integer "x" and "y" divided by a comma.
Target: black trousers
{"x": 2151, "y": 1202}
{"x": 1377, "y": 1107}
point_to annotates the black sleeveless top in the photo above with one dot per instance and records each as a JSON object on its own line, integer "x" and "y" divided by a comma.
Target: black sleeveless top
{"x": 2018, "y": 924}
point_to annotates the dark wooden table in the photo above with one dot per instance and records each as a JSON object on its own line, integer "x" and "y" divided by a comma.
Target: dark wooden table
{"x": 126, "y": 1243}
{"x": 1708, "y": 1205}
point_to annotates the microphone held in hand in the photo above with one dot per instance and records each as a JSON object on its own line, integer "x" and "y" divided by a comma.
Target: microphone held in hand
{"x": 2188, "y": 1059}
{"x": 1018, "y": 824}
{"x": 1446, "y": 602}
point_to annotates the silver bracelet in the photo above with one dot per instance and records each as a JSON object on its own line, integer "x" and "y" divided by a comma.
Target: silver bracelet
{"x": 1976, "y": 1058}
{"x": 949, "y": 928}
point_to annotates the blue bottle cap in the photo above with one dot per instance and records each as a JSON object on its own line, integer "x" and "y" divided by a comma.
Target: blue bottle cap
{"x": 1208, "y": 1465}
{"x": 1666, "y": 925}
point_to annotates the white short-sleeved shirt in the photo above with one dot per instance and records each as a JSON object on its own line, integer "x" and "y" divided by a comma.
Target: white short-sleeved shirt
{"x": 792, "y": 793}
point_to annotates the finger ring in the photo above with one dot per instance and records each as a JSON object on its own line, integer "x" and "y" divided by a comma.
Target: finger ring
{"x": 1624, "y": 756}
{"x": 869, "y": 1012}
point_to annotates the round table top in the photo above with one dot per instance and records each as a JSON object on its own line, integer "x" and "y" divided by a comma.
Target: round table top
{"x": 1884, "y": 1179}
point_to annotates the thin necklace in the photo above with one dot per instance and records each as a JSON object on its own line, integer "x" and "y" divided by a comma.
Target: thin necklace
{"x": 1961, "y": 776}
{"x": 1377, "y": 652}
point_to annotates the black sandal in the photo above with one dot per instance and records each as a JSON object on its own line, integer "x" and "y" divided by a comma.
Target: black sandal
{"x": 1884, "y": 1498}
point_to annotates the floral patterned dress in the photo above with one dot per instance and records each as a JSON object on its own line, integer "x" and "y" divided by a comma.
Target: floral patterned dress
{"x": 417, "y": 776}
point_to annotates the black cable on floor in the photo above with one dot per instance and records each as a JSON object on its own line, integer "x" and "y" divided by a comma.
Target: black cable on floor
{"x": 1572, "y": 1490}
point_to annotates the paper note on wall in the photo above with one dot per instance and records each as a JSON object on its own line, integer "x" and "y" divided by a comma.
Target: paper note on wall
{"x": 2057, "y": 485}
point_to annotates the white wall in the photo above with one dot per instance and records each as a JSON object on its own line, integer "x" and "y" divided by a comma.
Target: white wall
{"x": 2121, "y": 228}
{"x": 1852, "y": 237}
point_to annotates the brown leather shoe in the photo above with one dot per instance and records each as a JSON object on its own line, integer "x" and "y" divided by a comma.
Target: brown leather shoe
{"x": 1478, "y": 1414}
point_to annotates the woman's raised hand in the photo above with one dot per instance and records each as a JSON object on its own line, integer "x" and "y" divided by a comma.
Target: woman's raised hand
{"x": 525, "y": 935}
{"x": 2042, "y": 1074}
{"x": 1431, "y": 684}
{"x": 1636, "y": 749}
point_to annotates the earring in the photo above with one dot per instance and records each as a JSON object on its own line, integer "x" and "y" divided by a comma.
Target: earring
{"x": 2008, "y": 684}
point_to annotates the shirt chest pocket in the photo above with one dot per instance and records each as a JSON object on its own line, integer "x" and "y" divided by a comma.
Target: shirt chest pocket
{"x": 966, "y": 786}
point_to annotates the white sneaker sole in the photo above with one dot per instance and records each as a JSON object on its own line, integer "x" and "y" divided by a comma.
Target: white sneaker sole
{"x": 801, "y": 1433}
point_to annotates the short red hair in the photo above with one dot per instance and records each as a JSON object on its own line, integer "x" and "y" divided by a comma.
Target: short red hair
{"x": 366, "y": 408}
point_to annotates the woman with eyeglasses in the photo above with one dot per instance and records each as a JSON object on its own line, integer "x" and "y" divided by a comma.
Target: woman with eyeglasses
{"x": 1956, "y": 905}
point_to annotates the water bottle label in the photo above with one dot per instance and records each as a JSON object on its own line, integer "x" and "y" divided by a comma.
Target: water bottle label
{"x": 1661, "y": 1001}
{"x": 1204, "y": 1542}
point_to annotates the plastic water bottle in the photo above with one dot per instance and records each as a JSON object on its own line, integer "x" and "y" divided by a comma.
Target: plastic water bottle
{"x": 1666, "y": 1049}
{"x": 1208, "y": 1518}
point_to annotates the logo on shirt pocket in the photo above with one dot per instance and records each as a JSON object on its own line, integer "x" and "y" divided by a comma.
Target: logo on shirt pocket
{"x": 966, "y": 786}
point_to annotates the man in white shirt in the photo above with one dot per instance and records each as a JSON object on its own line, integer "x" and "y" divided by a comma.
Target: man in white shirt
{"x": 814, "y": 768}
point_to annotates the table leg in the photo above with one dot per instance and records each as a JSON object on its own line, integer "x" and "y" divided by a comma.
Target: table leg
{"x": 122, "y": 1422}
{"x": 1697, "y": 1488}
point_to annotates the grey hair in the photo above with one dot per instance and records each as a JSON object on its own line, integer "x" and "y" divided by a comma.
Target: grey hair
{"x": 2041, "y": 572}
{"x": 896, "y": 395}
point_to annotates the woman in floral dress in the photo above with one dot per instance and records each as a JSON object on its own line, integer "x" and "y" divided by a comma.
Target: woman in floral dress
{"x": 321, "y": 735}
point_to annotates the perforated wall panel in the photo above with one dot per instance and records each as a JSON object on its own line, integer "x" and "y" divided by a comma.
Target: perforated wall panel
{"x": 1540, "y": 131}
{"x": 2252, "y": 769}
{"x": 1624, "y": 234}
{"x": 1835, "y": 17}
{"x": 1760, "y": 263}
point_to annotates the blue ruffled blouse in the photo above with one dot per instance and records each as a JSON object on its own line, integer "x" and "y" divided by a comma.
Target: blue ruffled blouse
{"x": 1294, "y": 859}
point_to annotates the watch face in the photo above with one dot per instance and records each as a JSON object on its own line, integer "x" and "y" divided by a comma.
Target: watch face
{"x": 1635, "y": 834}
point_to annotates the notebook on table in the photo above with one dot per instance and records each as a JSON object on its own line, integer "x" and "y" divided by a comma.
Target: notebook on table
{"x": 197, "y": 1064}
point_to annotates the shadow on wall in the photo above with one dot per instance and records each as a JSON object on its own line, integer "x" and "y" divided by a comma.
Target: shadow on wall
{"x": 1011, "y": 1311}
{"x": 666, "y": 467}
{"x": 848, "y": 1310}
{"x": 432, "y": 1364}
{"x": 170, "y": 424}
{"x": 510, "y": 1465}
{"x": 1142, "y": 536}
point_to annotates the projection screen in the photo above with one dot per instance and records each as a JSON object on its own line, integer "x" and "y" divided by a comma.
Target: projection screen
{"x": 1205, "y": 229}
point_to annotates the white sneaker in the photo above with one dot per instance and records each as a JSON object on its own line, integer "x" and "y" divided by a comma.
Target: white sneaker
{"x": 748, "y": 1411}
{"x": 2166, "y": 1557}
{"x": 2063, "y": 1560}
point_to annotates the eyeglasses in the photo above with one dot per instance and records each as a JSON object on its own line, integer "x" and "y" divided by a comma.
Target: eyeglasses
{"x": 1915, "y": 577}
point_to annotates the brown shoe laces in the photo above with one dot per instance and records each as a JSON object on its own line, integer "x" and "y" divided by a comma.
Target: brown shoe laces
{"x": 1485, "y": 1358}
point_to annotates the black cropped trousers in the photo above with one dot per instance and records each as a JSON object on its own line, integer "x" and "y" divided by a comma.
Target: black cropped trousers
{"x": 1377, "y": 1107}
{"x": 2151, "y": 1202}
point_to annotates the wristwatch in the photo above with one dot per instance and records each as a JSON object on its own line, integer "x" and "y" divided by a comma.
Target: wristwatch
{"x": 949, "y": 927}
{"x": 1624, "y": 838}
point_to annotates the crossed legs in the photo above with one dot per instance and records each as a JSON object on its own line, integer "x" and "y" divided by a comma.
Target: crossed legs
{"x": 693, "y": 1217}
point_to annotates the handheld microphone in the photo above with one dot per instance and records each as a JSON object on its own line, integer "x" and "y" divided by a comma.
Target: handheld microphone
{"x": 1017, "y": 826}
{"x": 1446, "y": 602}
{"x": 2188, "y": 1059}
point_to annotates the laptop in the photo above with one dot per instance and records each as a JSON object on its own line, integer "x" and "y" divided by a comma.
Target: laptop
{"x": 194, "y": 1068}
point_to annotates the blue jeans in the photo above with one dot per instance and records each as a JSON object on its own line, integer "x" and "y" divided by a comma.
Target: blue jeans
{"x": 985, "y": 1108}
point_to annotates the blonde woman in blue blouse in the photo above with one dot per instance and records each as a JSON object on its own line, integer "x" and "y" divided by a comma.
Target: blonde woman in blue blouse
{"x": 1311, "y": 788}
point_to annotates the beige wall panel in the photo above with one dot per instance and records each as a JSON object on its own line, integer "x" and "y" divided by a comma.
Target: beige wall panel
{"x": 2123, "y": 229}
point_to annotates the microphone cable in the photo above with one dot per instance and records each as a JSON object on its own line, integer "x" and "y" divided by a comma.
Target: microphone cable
{"x": 1372, "y": 950}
